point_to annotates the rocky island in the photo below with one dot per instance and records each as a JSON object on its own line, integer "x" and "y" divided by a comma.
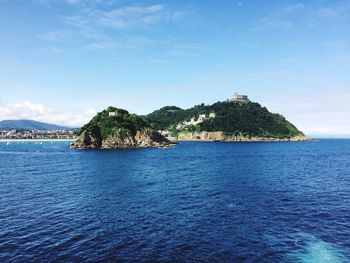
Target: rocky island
{"x": 116, "y": 128}
{"x": 235, "y": 120}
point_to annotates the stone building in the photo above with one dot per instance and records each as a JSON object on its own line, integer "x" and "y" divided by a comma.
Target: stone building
{"x": 239, "y": 97}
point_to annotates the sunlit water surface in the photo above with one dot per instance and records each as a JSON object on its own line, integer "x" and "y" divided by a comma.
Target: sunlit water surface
{"x": 203, "y": 202}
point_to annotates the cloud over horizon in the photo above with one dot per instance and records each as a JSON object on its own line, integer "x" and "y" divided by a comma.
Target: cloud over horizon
{"x": 39, "y": 112}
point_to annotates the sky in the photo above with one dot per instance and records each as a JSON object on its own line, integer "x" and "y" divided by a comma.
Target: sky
{"x": 61, "y": 61}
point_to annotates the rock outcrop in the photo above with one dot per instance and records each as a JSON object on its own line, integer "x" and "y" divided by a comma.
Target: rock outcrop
{"x": 119, "y": 130}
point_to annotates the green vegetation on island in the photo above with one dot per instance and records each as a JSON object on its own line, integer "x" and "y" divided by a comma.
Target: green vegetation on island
{"x": 233, "y": 118}
{"x": 117, "y": 128}
{"x": 113, "y": 120}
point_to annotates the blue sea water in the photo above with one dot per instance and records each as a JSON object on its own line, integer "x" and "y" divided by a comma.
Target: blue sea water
{"x": 197, "y": 202}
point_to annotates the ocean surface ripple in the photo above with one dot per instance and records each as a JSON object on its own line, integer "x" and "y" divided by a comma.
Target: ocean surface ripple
{"x": 197, "y": 202}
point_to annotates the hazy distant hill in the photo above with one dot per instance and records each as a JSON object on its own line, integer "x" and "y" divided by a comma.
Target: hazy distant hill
{"x": 29, "y": 125}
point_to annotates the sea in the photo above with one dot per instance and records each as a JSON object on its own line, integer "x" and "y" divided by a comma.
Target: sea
{"x": 196, "y": 202}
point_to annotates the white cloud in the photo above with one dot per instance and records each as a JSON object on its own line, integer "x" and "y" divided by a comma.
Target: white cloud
{"x": 72, "y": 2}
{"x": 91, "y": 25}
{"x": 292, "y": 9}
{"x": 102, "y": 45}
{"x": 281, "y": 18}
{"x": 333, "y": 11}
{"x": 122, "y": 18}
{"x": 55, "y": 50}
{"x": 326, "y": 13}
{"x": 268, "y": 22}
{"x": 41, "y": 2}
{"x": 57, "y": 35}
{"x": 39, "y": 112}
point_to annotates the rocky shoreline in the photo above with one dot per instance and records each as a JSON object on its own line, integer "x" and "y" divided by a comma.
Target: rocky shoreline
{"x": 146, "y": 138}
{"x": 248, "y": 140}
{"x": 221, "y": 137}
{"x": 151, "y": 139}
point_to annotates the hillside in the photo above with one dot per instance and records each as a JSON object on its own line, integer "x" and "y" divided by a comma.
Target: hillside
{"x": 240, "y": 119}
{"x": 117, "y": 128}
{"x": 29, "y": 125}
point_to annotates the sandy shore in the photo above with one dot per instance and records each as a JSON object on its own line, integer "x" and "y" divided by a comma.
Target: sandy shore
{"x": 37, "y": 140}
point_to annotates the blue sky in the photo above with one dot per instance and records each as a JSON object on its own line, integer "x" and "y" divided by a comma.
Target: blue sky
{"x": 61, "y": 61}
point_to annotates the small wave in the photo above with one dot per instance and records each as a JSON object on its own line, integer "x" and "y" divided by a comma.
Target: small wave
{"x": 231, "y": 205}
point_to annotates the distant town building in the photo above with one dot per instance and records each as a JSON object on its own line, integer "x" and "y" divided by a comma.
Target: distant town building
{"x": 37, "y": 134}
{"x": 195, "y": 121}
{"x": 238, "y": 97}
{"x": 112, "y": 113}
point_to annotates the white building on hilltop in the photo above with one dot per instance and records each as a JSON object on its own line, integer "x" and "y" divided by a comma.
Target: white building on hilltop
{"x": 238, "y": 97}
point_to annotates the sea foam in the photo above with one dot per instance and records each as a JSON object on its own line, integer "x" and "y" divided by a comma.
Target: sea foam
{"x": 318, "y": 251}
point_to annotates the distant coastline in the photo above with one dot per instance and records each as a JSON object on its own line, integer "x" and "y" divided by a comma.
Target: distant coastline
{"x": 37, "y": 140}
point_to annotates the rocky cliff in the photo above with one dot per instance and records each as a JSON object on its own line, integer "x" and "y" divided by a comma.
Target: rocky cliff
{"x": 116, "y": 128}
{"x": 223, "y": 137}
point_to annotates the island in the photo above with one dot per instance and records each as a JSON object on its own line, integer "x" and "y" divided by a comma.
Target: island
{"x": 116, "y": 128}
{"x": 235, "y": 120}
